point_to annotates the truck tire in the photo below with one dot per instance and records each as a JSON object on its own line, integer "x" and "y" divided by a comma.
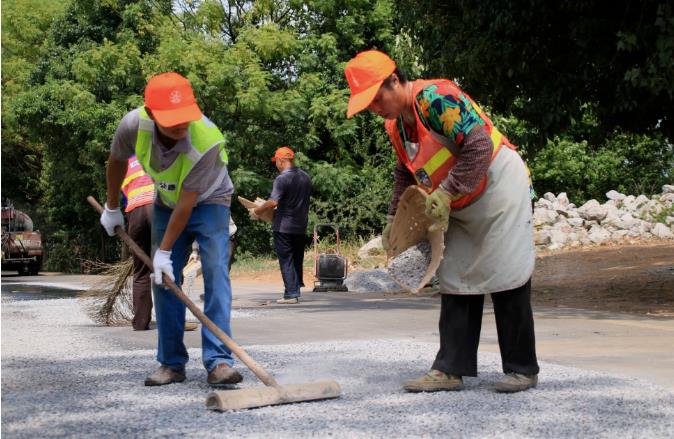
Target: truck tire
{"x": 23, "y": 270}
{"x": 34, "y": 269}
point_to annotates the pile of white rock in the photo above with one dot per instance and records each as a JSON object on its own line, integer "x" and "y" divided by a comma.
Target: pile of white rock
{"x": 622, "y": 219}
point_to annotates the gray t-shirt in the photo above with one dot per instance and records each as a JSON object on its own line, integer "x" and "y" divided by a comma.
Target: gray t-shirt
{"x": 204, "y": 173}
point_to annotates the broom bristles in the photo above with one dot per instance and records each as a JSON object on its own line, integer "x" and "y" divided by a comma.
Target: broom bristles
{"x": 109, "y": 301}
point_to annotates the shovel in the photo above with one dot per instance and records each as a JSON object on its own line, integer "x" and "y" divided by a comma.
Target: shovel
{"x": 238, "y": 399}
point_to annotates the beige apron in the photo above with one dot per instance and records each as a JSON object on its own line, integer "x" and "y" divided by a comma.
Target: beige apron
{"x": 489, "y": 245}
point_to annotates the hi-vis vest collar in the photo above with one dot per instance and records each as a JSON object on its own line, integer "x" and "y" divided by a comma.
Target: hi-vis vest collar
{"x": 203, "y": 136}
{"x": 432, "y": 157}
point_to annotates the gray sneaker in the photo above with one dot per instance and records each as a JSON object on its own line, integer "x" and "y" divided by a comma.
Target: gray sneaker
{"x": 434, "y": 381}
{"x": 516, "y": 382}
{"x": 163, "y": 376}
{"x": 290, "y": 301}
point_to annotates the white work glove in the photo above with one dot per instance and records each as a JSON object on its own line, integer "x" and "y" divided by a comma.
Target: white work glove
{"x": 110, "y": 218}
{"x": 162, "y": 264}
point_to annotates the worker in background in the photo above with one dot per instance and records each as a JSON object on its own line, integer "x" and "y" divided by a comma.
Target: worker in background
{"x": 194, "y": 256}
{"x": 480, "y": 191}
{"x": 290, "y": 196}
{"x": 138, "y": 188}
{"x": 184, "y": 153}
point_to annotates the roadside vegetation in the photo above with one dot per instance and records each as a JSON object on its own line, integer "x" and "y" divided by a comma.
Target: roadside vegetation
{"x": 585, "y": 93}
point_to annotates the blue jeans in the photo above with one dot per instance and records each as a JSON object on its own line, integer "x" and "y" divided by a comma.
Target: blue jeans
{"x": 209, "y": 225}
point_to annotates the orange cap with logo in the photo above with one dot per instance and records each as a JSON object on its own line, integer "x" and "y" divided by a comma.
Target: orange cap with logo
{"x": 171, "y": 99}
{"x": 283, "y": 153}
{"x": 365, "y": 73}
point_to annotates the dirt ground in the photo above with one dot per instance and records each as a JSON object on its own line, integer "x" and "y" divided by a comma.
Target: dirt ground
{"x": 635, "y": 279}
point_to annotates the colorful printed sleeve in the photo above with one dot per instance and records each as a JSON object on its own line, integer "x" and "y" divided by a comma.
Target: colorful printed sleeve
{"x": 453, "y": 116}
{"x": 447, "y": 113}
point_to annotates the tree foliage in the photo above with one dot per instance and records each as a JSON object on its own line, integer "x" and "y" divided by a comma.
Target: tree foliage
{"x": 267, "y": 73}
{"x": 545, "y": 60}
{"x": 270, "y": 73}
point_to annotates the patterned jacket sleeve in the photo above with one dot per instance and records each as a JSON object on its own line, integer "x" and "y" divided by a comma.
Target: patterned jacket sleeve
{"x": 452, "y": 115}
{"x": 472, "y": 164}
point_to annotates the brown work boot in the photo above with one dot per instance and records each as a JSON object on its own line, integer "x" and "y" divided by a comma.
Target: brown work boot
{"x": 516, "y": 382}
{"x": 164, "y": 375}
{"x": 434, "y": 381}
{"x": 191, "y": 326}
{"x": 288, "y": 301}
{"x": 224, "y": 374}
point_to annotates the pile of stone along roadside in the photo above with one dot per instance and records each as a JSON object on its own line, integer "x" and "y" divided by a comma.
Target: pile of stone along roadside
{"x": 622, "y": 219}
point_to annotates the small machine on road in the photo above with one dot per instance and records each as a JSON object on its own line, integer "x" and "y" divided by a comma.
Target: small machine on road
{"x": 330, "y": 267}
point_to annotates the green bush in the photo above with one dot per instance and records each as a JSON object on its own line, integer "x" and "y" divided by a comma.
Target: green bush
{"x": 629, "y": 163}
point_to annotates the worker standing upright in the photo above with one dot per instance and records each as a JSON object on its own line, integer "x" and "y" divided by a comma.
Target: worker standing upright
{"x": 138, "y": 188}
{"x": 290, "y": 196}
{"x": 184, "y": 153}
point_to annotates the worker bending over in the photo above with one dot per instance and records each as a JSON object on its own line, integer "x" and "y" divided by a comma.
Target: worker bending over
{"x": 184, "y": 153}
{"x": 480, "y": 193}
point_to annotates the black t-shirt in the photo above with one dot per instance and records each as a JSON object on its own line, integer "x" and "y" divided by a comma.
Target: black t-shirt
{"x": 292, "y": 190}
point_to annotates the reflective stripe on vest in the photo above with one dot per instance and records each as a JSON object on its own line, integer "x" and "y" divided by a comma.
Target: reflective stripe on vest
{"x": 203, "y": 136}
{"x": 138, "y": 187}
{"x": 437, "y": 154}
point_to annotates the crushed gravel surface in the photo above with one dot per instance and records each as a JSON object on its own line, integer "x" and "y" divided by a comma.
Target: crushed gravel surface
{"x": 61, "y": 376}
{"x": 410, "y": 266}
{"x": 372, "y": 281}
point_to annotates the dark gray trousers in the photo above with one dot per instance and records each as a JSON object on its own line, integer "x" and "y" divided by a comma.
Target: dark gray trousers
{"x": 140, "y": 230}
{"x": 290, "y": 251}
{"x": 461, "y": 322}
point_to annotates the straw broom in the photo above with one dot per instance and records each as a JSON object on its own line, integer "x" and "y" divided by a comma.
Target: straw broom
{"x": 110, "y": 301}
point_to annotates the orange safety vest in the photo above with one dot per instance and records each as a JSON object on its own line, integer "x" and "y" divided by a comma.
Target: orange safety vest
{"x": 138, "y": 187}
{"x": 431, "y": 159}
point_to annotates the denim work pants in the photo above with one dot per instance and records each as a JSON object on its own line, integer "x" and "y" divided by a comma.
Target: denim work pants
{"x": 290, "y": 251}
{"x": 209, "y": 225}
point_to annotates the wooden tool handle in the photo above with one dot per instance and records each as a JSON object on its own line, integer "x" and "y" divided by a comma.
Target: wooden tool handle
{"x": 265, "y": 377}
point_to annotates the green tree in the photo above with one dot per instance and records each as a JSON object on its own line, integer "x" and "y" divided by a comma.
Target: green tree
{"x": 25, "y": 25}
{"x": 267, "y": 73}
{"x": 88, "y": 74}
{"x": 543, "y": 61}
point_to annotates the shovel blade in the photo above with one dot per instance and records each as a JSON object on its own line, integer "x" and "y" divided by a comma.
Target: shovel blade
{"x": 223, "y": 400}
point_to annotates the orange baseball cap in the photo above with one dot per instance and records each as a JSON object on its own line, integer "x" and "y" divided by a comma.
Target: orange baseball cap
{"x": 171, "y": 99}
{"x": 283, "y": 153}
{"x": 365, "y": 73}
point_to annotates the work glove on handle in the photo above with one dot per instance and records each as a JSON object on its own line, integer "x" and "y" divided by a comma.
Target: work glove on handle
{"x": 386, "y": 234}
{"x": 438, "y": 206}
{"x": 162, "y": 264}
{"x": 110, "y": 218}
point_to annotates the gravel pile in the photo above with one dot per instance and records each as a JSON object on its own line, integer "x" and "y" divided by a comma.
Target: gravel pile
{"x": 64, "y": 377}
{"x": 409, "y": 267}
{"x": 372, "y": 281}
